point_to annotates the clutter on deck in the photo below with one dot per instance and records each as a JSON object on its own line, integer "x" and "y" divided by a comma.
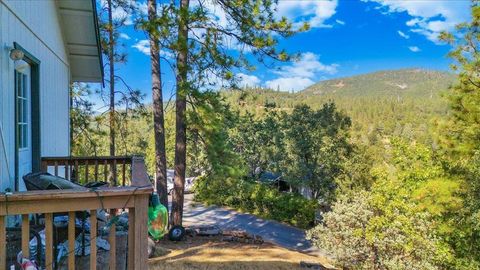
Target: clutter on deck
{"x": 58, "y": 224}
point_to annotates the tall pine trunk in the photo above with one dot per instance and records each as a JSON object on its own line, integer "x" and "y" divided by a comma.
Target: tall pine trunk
{"x": 181, "y": 106}
{"x": 158, "y": 116}
{"x": 111, "y": 61}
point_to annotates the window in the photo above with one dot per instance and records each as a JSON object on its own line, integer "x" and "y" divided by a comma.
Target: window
{"x": 22, "y": 109}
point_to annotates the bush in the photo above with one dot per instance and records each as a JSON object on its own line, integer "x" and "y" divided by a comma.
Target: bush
{"x": 360, "y": 235}
{"x": 256, "y": 198}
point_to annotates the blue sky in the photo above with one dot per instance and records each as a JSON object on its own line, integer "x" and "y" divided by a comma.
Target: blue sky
{"x": 346, "y": 38}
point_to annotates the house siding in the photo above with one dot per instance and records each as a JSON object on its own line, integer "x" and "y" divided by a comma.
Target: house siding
{"x": 35, "y": 26}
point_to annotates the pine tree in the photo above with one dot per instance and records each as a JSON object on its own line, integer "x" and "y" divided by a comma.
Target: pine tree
{"x": 158, "y": 113}
{"x": 180, "y": 109}
{"x": 461, "y": 133}
{"x": 120, "y": 100}
{"x": 203, "y": 60}
{"x": 464, "y": 96}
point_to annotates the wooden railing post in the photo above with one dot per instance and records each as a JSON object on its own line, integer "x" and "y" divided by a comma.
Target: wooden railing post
{"x": 123, "y": 172}
{"x": 105, "y": 170}
{"x": 131, "y": 239}
{"x": 3, "y": 243}
{"x": 112, "y": 240}
{"x": 96, "y": 170}
{"x": 67, "y": 170}
{"x": 25, "y": 236}
{"x": 114, "y": 172}
{"x": 49, "y": 241}
{"x": 44, "y": 166}
{"x": 56, "y": 168}
{"x": 86, "y": 171}
{"x": 77, "y": 172}
{"x": 139, "y": 172}
{"x": 93, "y": 239}
{"x": 141, "y": 233}
{"x": 71, "y": 240}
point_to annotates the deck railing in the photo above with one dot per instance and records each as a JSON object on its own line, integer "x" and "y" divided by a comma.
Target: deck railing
{"x": 115, "y": 170}
{"x": 133, "y": 197}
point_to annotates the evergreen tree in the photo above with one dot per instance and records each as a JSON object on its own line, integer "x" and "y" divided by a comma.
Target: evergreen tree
{"x": 157, "y": 107}
{"x": 464, "y": 95}
{"x": 461, "y": 132}
{"x": 202, "y": 46}
{"x": 120, "y": 100}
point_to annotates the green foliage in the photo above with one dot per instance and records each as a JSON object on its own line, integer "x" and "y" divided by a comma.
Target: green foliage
{"x": 377, "y": 106}
{"x": 259, "y": 142}
{"x": 90, "y": 128}
{"x": 317, "y": 148}
{"x": 279, "y": 143}
{"x": 249, "y": 26}
{"x": 81, "y": 117}
{"x": 357, "y": 172}
{"x": 211, "y": 152}
{"x": 460, "y": 133}
{"x": 361, "y": 233}
{"x": 407, "y": 217}
{"x": 403, "y": 83}
{"x": 256, "y": 198}
{"x": 464, "y": 98}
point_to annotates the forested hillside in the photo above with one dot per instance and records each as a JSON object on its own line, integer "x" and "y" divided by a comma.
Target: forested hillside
{"x": 394, "y": 102}
{"x": 419, "y": 83}
{"x": 376, "y": 104}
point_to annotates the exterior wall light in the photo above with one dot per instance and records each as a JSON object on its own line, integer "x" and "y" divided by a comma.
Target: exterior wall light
{"x": 16, "y": 54}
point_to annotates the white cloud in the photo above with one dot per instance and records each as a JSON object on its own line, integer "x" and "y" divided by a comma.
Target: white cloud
{"x": 289, "y": 83}
{"x": 124, "y": 36}
{"x": 414, "y": 49}
{"x": 405, "y": 36}
{"x": 429, "y": 17}
{"x": 314, "y": 12}
{"x": 120, "y": 14}
{"x": 301, "y": 73}
{"x": 248, "y": 80}
{"x": 143, "y": 46}
{"x": 307, "y": 66}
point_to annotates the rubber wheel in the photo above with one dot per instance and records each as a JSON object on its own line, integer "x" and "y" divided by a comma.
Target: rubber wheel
{"x": 176, "y": 233}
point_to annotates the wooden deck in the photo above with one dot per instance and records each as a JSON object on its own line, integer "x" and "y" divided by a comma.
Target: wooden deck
{"x": 130, "y": 190}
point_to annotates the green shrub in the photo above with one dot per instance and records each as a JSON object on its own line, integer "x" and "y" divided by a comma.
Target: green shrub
{"x": 360, "y": 234}
{"x": 256, "y": 198}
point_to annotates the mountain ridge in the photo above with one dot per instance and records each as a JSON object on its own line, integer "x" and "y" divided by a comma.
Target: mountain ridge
{"x": 397, "y": 102}
{"x": 410, "y": 82}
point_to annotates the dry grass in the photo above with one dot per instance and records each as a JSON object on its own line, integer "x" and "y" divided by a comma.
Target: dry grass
{"x": 211, "y": 253}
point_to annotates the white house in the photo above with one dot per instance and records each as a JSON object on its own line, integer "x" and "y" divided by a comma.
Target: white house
{"x": 45, "y": 45}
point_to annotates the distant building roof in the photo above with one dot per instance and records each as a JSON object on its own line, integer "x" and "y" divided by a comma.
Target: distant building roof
{"x": 269, "y": 177}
